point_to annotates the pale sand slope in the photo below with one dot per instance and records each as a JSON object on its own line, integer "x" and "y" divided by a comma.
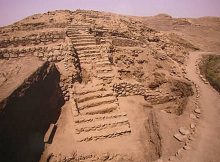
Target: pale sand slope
{"x": 206, "y": 146}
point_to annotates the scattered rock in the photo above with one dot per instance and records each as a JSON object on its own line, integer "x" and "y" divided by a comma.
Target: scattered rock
{"x": 59, "y": 58}
{"x": 198, "y": 111}
{"x": 190, "y": 138}
{"x": 54, "y": 58}
{"x": 50, "y": 59}
{"x": 44, "y": 59}
{"x": 6, "y": 55}
{"x": 192, "y": 126}
{"x": 56, "y": 53}
{"x": 171, "y": 158}
{"x": 21, "y": 55}
{"x": 184, "y": 131}
{"x": 40, "y": 54}
{"x": 180, "y": 137}
{"x": 66, "y": 98}
{"x": 178, "y": 153}
{"x": 104, "y": 157}
{"x": 186, "y": 147}
{"x": 13, "y": 55}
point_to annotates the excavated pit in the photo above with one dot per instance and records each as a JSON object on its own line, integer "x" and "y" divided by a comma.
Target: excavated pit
{"x": 25, "y": 115}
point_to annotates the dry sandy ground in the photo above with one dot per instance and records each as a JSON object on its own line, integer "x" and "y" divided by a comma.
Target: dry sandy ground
{"x": 64, "y": 141}
{"x": 205, "y": 148}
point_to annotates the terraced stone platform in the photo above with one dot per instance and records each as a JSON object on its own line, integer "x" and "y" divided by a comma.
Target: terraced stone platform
{"x": 97, "y": 115}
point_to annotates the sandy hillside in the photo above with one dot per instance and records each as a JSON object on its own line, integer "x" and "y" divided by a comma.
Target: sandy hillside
{"x": 112, "y": 87}
{"x": 202, "y": 32}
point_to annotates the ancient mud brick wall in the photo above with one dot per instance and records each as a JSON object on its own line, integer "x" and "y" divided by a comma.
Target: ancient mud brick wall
{"x": 155, "y": 97}
{"x": 128, "y": 89}
{"x": 49, "y": 44}
{"x": 42, "y": 38}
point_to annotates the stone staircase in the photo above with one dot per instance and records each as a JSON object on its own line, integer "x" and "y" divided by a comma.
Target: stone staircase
{"x": 89, "y": 52}
{"x": 97, "y": 115}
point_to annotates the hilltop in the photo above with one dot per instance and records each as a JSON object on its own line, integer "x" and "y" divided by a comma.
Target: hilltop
{"x": 114, "y": 87}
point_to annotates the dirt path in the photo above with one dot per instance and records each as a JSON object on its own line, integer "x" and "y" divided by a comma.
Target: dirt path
{"x": 206, "y": 146}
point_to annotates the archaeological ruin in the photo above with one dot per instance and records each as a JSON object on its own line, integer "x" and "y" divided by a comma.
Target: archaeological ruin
{"x": 109, "y": 87}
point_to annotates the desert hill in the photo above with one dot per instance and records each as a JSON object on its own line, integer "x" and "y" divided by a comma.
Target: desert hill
{"x": 202, "y": 32}
{"x": 114, "y": 86}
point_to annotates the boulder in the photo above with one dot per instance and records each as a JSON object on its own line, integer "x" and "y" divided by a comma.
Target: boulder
{"x": 59, "y": 58}
{"x": 198, "y": 111}
{"x": 184, "y": 131}
{"x": 56, "y": 53}
{"x": 192, "y": 126}
{"x": 12, "y": 55}
{"x": 6, "y": 55}
{"x": 180, "y": 137}
{"x": 40, "y": 54}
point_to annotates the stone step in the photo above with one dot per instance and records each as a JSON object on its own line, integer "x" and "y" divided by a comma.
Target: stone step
{"x": 74, "y": 30}
{"x": 77, "y": 29}
{"x": 82, "y": 28}
{"x": 82, "y": 55}
{"x": 105, "y": 75}
{"x": 97, "y": 94}
{"x": 103, "y": 69}
{"x": 91, "y": 118}
{"x": 84, "y": 43}
{"x": 79, "y": 39}
{"x": 89, "y": 47}
{"x": 88, "y": 51}
{"x": 101, "y": 109}
{"x": 77, "y": 35}
{"x": 83, "y": 40}
{"x": 104, "y": 58}
{"x": 101, "y": 30}
{"x": 89, "y": 89}
{"x": 102, "y": 63}
{"x": 85, "y": 62}
{"x": 88, "y": 59}
{"x": 104, "y": 134}
{"x": 79, "y": 26}
{"x": 96, "y": 102}
{"x": 83, "y": 36}
{"x": 71, "y": 33}
{"x": 100, "y": 125}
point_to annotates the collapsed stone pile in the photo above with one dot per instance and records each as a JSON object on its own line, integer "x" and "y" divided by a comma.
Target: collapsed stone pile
{"x": 127, "y": 89}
